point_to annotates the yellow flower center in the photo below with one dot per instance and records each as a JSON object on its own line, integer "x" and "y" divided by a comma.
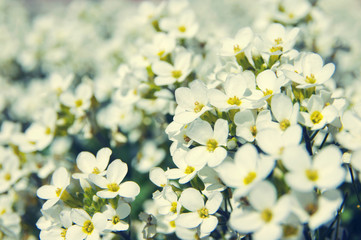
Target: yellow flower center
{"x": 113, "y": 187}
{"x": 176, "y": 73}
{"x": 78, "y": 103}
{"x": 189, "y": 170}
{"x": 312, "y": 175}
{"x": 266, "y": 215}
{"x": 203, "y": 213}
{"x": 88, "y": 227}
{"x": 63, "y": 233}
{"x": 267, "y": 92}
{"x": 173, "y": 207}
{"x": 236, "y": 48}
{"x": 311, "y": 208}
{"x": 182, "y": 28}
{"x": 249, "y": 178}
{"x": 96, "y": 170}
{"x": 212, "y": 144}
{"x": 253, "y": 130}
{"x": 172, "y": 224}
{"x": 275, "y": 49}
{"x": 285, "y": 124}
{"x": 58, "y": 191}
{"x": 289, "y": 231}
{"x": 316, "y": 117}
{"x": 234, "y": 101}
{"x": 278, "y": 41}
{"x": 198, "y": 107}
{"x": 115, "y": 219}
{"x": 160, "y": 53}
{"x": 310, "y": 79}
{"x": 7, "y": 177}
{"x": 48, "y": 131}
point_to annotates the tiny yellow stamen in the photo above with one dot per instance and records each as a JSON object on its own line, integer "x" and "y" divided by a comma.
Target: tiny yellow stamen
{"x": 289, "y": 231}
{"x": 186, "y": 138}
{"x": 267, "y": 92}
{"x": 88, "y": 227}
{"x": 234, "y": 101}
{"x": 249, "y": 178}
{"x": 198, "y": 107}
{"x": 63, "y": 233}
{"x": 212, "y": 144}
{"x": 48, "y": 131}
{"x": 189, "y": 170}
{"x": 253, "y": 130}
{"x": 310, "y": 79}
{"x": 176, "y": 73}
{"x": 173, "y": 207}
{"x": 7, "y": 177}
{"x": 312, "y": 175}
{"x": 311, "y": 208}
{"x": 172, "y": 224}
{"x": 160, "y": 53}
{"x": 96, "y": 170}
{"x": 58, "y": 191}
{"x": 182, "y": 28}
{"x": 316, "y": 117}
{"x": 113, "y": 187}
{"x": 285, "y": 124}
{"x": 78, "y": 103}
{"x": 278, "y": 41}
{"x": 236, "y": 48}
{"x": 275, "y": 49}
{"x": 267, "y": 215}
{"x": 115, "y": 219}
{"x": 203, "y": 213}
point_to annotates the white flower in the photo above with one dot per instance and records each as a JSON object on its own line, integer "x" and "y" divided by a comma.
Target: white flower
{"x": 86, "y": 227}
{"x": 112, "y": 183}
{"x": 290, "y": 12}
{"x": 168, "y": 204}
{"x": 187, "y": 167}
{"x": 232, "y": 47}
{"x": 274, "y": 142}
{"x": 149, "y": 156}
{"x": 269, "y": 83}
{"x": 114, "y": 216}
{"x": 182, "y": 26}
{"x": 248, "y": 169}
{"x": 161, "y": 46}
{"x": 88, "y": 163}
{"x": 318, "y": 114}
{"x": 350, "y": 135}
{"x": 284, "y": 112}
{"x": 78, "y": 102}
{"x": 59, "y": 181}
{"x": 212, "y": 141}
{"x": 324, "y": 172}
{"x": 316, "y": 210}
{"x": 168, "y": 74}
{"x": 192, "y": 102}
{"x": 309, "y": 71}
{"x": 266, "y": 214}
{"x": 201, "y": 214}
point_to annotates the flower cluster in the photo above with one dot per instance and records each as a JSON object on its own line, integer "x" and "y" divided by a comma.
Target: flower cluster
{"x": 246, "y": 119}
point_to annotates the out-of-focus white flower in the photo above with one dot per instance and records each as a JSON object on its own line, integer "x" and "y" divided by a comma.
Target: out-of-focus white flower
{"x": 238, "y": 44}
{"x": 80, "y": 101}
{"x": 182, "y": 26}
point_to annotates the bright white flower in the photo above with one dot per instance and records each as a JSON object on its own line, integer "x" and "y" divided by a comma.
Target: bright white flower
{"x": 274, "y": 142}
{"x": 248, "y": 124}
{"x": 316, "y": 210}
{"x": 269, "y": 83}
{"x": 284, "y": 111}
{"x": 192, "y": 102}
{"x": 86, "y": 227}
{"x": 168, "y": 204}
{"x": 187, "y": 167}
{"x": 246, "y": 171}
{"x": 277, "y": 40}
{"x": 158, "y": 177}
{"x": 318, "y": 114}
{"x": 59, "y": 181}
{"x": 88, "y": 163}
{"x": 182, "y": 26}
{"x": 58, "y": 229}
{"x": 266, "y": 214}
{"x": 356, "y": 160}
{"x": 234, "y": 96}
{"x": 238, "y": 44}
{"x": 309, "y": 71}
{"x": 177, "y": 133}
{"x": 324, "y": 171}
{"x": 112, "y": 182}
{"x": 114, "y": 216}
{"x": 80, "y": 101}
{"x": 200, "y": 214}
{"x": 168, "y": 74}
{"x": 350, "y": 135}
{"x": 212, "y": 141}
